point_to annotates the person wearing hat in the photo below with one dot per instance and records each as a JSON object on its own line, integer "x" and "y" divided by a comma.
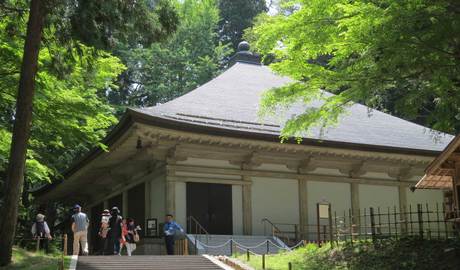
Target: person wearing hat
{"x": 80, "y": 224}
{"x": 41, "y": 230}
{"x": 104, "y": 229}
{"x": 115, "y": 230}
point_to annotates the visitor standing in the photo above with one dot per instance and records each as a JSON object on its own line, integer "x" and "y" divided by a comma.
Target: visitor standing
{"x": 171, "y": 230}
{"x": 40, "y": 230}
{"x": 115, "y": 230}
{"x": 103, "y": 230}
{"x": 80, "y": 224}
{"x": 132, "y": 236}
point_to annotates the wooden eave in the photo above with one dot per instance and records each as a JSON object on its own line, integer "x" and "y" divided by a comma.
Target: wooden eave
{"x": 439, "y": 174}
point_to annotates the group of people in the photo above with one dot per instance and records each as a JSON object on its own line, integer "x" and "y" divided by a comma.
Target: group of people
{"x": 114, "y": 233}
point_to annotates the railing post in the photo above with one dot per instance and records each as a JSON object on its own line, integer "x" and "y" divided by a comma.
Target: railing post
{"x": 231, "y": 247}
{"x": 268, "y": 246}
{"x": 65, "y": 245}
{"x": 38, "y": 244}
{"x": 330, "y": 225}
{"x": 196, "y": 246}
{"x": 290, "y": 266}
{"x": 371, "y": 213}
{"x": 186, "y": 246}
{"x": 263, "y": 261}
{"x": 318, "y": 225}
{"x": 247, "y": 254}
{"x": 296, "y": 232}
{"x": 420, "y": 219}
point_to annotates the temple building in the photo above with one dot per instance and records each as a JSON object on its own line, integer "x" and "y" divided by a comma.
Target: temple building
{"x": 209, "y": 155}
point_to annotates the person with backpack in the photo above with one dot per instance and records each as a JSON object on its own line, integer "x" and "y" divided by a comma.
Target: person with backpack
{"x": 80, "y": 223}
{"x": 41, "y": 230}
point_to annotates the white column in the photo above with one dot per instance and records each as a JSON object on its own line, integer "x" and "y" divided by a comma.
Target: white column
{"x": 303, "y": 206}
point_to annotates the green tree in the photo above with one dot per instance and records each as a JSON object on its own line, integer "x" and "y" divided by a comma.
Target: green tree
{"x": 105, "y": 25}
{"x": 393, "y": 55}
{"x": 165, "y": 70}
{"x": 236, "y": 16}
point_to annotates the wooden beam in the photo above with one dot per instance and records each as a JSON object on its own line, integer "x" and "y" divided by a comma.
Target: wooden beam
{"x": 208, "y": 180}
{"x": 287, "y": 175}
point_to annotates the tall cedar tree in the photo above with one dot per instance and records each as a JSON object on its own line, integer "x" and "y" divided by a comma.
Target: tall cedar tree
{"x": 236, "y": 16}
{"x": 122, "y": 21}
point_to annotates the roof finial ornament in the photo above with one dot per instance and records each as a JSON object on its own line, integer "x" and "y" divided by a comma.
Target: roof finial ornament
{"x": 243, "y": 46}
{"x": 244, "y": 55}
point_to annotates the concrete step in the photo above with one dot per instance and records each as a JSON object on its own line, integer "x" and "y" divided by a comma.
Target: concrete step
{"x": 143, "y": 262}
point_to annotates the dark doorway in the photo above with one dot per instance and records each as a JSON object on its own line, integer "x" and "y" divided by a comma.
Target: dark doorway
{"x": 95, "y": 242}
{"x": 211, "y": 205}
{"x": 136, "y": 206}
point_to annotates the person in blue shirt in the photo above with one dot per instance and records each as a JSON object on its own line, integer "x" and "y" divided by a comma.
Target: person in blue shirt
{"x": 170, "y": 229}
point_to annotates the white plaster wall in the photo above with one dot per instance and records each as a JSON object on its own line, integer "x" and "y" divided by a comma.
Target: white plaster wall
{"x": 237, "y": 208}
{"x": 181, "y": 203}
{"x": 338, "y": 194}
{"x": 157, "y": 198}
{"x": 425, "y": 196}
{"x": 378, "y": 196}
{"x": 275, "y": 199}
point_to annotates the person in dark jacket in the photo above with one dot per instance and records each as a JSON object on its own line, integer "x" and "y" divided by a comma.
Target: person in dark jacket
{"x": 114, "y": 234}
{"x": 170, "y": 229}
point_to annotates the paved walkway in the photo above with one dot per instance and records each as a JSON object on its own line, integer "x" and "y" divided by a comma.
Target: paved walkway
{"x": 142, "y": 262}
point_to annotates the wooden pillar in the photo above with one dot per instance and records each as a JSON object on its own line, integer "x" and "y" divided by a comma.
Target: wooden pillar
{"x": 455, "y": 185}
{"x": 147, "y": 196}
{"x": 354, "y": 188}
{"x": 402, "y": 193}
{"x": 247, "y": 207}
{"x": 303, "y": 207}
{"x": 125, "y": 204}
{"x": 170, "y": 191}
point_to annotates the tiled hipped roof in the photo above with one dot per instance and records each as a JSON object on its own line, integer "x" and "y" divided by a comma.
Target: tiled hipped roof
{"x": 231, "y": 102}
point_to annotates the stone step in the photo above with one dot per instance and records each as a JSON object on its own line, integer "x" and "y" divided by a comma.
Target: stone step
{"x": 143, "y": 262}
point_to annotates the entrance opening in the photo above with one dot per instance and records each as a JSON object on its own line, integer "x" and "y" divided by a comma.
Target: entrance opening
{"x": 211, "y": 205}
{"x": 136, "y": 206}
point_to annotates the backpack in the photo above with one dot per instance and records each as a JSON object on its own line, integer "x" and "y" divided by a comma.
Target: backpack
{"x": 40, "y": 228}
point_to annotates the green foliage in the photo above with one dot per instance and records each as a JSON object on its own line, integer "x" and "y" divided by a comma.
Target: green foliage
{"x": 23, "y": 259}
{"x": 109, "y": 24}
{"x": 165, "y": 70}
{"x": 397, "y": 56}
{"x": 388, "y": 254}
{"x": 69, "y": 115}
{"x": 237, "y": 15}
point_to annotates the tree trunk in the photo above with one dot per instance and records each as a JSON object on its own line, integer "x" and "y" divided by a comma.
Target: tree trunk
{"x": 21, "y": 130}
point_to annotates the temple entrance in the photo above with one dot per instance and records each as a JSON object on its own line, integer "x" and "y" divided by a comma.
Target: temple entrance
{"x": 211, "y": 205}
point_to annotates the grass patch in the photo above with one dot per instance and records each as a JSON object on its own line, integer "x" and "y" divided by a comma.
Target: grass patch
{"x": 389, "y": 254}
{"x": 23, "y": 259}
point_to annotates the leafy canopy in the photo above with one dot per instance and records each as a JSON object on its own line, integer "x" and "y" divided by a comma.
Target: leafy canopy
{"x": 165, "y": 70}
{"x": 69, "y": 114}
{"x": 398, "y": 56}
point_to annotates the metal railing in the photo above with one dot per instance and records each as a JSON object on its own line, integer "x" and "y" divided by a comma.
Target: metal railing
{"x": 193, "y": 223}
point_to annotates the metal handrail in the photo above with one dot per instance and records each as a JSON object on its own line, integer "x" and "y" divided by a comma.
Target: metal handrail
{"x": 199, "y": 229}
